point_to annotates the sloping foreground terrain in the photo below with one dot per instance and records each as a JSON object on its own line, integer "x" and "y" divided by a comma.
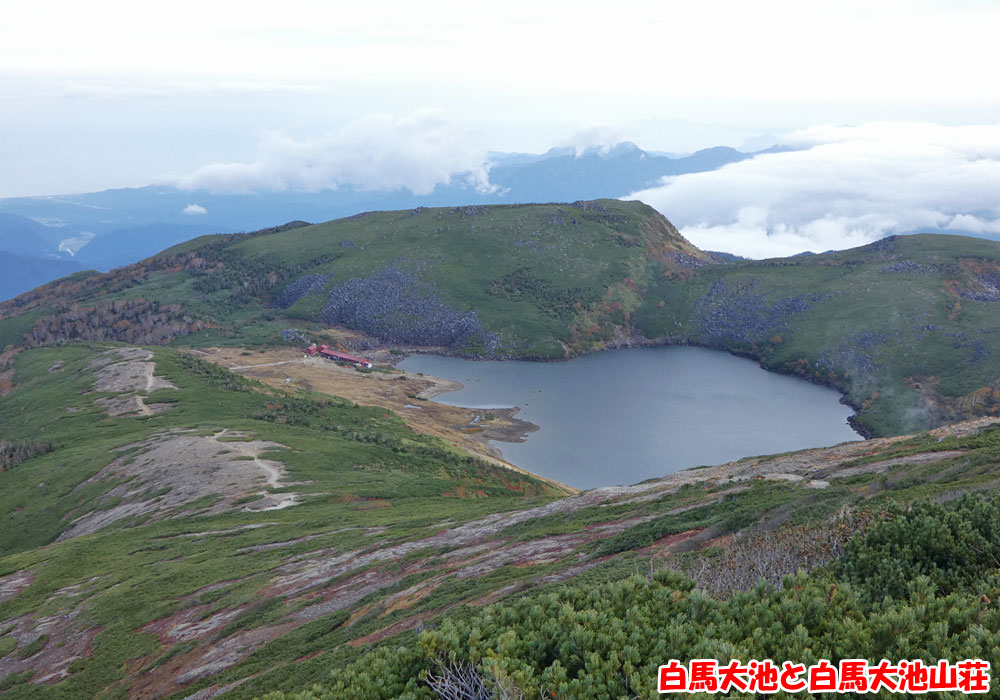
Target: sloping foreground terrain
{"x": 177, "y": 530}
{"x": 906, "y": 327}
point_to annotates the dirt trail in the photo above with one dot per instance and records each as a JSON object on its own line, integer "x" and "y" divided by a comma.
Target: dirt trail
{"x": 475, "y": 550}
{"x": 128, "y": 372}
{"x": 237, "y": 368}
{"x": 273, "y": 473}
{"x": 334, "y": 578}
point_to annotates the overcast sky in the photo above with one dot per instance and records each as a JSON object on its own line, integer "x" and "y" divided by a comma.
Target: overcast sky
{"x": 108, "y": 93}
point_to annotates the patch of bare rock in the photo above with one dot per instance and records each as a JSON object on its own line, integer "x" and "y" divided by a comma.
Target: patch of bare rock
{"x": 171, "y": 470}
{"x": 65, "y": 642}
{"x": 330, "y": 579}
{"x": 130, "y": 373}
{"x": 12, "y": 585}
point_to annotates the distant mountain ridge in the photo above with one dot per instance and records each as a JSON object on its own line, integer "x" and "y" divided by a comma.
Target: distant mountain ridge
{"x": 565, "y": 176}
{"x": 25, "y": 236}
{"x": 127, "y": 225}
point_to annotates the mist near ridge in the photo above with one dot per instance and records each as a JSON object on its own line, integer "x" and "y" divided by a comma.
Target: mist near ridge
{"x": 822, "y": 188}
{"x": 840, "y": 187}
{"x": 417, "y": 153}
{"x": 115, "y": 227}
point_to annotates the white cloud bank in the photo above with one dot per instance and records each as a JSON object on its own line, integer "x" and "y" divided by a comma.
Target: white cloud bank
{"x": 377, "y": 152}
{"x": 194, "y": 209}
{"x": 847, "y": 186}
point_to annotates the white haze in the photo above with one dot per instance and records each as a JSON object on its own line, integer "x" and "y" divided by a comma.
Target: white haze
{"x": 602, "y": 136}
{"x": 72, "y": 245}
{"x": 846, "y": 186}
{"x": 378, "y": 152}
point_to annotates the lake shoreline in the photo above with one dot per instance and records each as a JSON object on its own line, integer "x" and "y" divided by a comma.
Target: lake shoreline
{"x": 659, "y": 408}
{"x": 511, "y": 429}
{"x": 636, "y": 342}
{"x": 469, "y": 429}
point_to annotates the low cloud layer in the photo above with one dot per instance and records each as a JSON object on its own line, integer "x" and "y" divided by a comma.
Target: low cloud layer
{"x": 844, "y": 187}
{"x": 600, "y": 137}
{"x": 194, "y": 210}
{"x": 417, "y": 152}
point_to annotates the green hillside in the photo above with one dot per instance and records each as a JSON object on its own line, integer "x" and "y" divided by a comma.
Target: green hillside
{"x": 908, "y": 327}
{"x": 126, "y": 505}
{"x": 174, "y": 528}
{"x": 905, "y": 327}
{"x": 528, "y": 280}
{"x": 607, "y": 639}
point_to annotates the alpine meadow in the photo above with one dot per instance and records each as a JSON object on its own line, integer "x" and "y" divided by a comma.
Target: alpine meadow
{"x": 180, "y": 529}
{"x": 534, "y": 350}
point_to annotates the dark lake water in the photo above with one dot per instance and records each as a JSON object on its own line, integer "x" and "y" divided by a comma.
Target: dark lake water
{"x": 623, "y": 416}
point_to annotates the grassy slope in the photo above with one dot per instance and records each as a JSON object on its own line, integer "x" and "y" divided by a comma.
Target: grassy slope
{"x": 348, "y": 456}
{"x": 584, "y": 252}
{"x": 579, "y": 254}
{"x": 886, "y": 323}
{"x": 371, "y": 484}
{"x": 917, "y": 586}
{"x": 133, "y": 572}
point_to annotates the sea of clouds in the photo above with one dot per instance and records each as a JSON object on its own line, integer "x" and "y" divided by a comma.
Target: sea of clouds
{"x": 842, "y": 186}
{"x": 834, "y": 187}
{"x": 378, "y": 152}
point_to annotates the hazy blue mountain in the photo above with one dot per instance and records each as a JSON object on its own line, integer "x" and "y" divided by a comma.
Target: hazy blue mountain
{"x": 24, "y": 236}
{"x": 520, "y": 177}
{"x": 21, "y": 273}
{"x": 128, "y": 245}
{"x": 626, "y": 168}
{"x": 499, "y": 158}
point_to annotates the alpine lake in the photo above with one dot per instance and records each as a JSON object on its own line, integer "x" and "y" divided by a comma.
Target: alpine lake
{"x": 623, "y": 416}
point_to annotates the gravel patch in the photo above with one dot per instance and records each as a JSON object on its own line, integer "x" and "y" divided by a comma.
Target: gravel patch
{"x": 175, "y": 469}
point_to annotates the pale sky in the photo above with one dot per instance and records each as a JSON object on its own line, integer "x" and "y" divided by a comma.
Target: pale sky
{"x": 109, "y": 93}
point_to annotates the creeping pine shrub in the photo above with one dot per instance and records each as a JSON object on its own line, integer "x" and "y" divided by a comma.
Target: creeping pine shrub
{"x": 955, "y": 545}
{"x": 606, "y": 641}
{"x": 770, "y": 555}
{"x": 918, "y": 585}
{"x": 14, "y": 453}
